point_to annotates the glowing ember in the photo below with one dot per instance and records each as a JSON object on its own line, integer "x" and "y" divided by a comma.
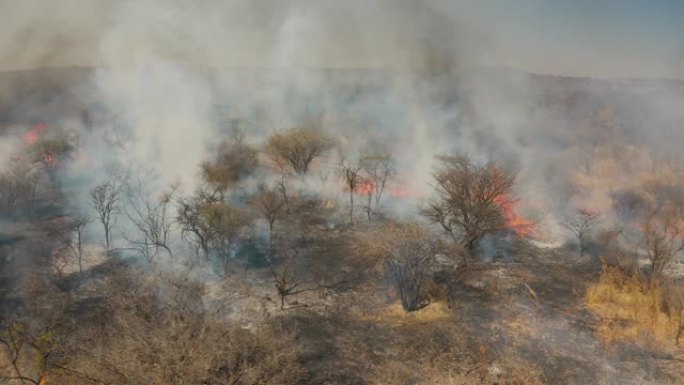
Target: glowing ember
{"x": 34, "y": 134}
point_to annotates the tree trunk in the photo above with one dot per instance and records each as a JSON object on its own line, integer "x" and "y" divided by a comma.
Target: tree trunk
{"x": 270, "y": 239}
{"x": 351, "y": 206}
{"x": 369, "y": 212}
{"x": 283, "y": 190}
{"x": 80, "y": 253}
{"x": 107, "y": 240}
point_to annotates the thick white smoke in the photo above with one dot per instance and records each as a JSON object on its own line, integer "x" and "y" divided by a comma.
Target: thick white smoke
{"x": 412, "y": 77}
{"x": 155, "y": 58}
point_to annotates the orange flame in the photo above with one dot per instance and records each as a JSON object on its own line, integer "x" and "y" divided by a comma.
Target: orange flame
{"x": 365, "y": 187}
{"x": 522, "y": 226}
{"x": 34, "y": 134}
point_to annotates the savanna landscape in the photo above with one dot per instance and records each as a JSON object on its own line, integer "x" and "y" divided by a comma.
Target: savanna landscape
{"x": 167, "y": 218}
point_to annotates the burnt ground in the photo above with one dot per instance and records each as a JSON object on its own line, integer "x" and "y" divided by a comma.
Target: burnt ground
{"x": 533, "y": 309}
{"x": 536, "y": 309}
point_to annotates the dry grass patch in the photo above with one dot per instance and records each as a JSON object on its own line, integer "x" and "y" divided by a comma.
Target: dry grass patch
{"x": 634, "y": 310}
{"x": 507, "y": 371}
{"x": 395, "y": 315}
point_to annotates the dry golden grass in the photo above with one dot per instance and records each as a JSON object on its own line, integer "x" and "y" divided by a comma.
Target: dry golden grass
{"x": 447, "y": 368}
{"x": 394, "y": 315}
{"x": 632, "y": 310}
{"x": 508, "y": 371}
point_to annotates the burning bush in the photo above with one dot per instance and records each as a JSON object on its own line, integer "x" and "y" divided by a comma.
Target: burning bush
{"x": 472, "y": 200}
{"x": 51, "y": 152}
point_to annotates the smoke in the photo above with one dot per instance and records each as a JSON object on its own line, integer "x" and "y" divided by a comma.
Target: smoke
{"x": 167, "y": 79}
{"x": 414, "y": 78}
{"x": 8, "y": 148}
{"x": 161, "y": 74}
{"x": 38, "y": 34}
{"x": 261, "y": 33}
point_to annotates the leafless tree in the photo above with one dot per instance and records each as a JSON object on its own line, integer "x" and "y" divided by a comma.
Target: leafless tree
{"x": 296, "y": 148}
{"x": 655, "y": 216}
{"x": 271, "y": 205}
{"x": 212, "y": 226}
{"x": 105, "y": 200}
{"x": 469, "y": 199}
{"x": 152, "y": 220}
{"x": 225, "y": 223}
{"x": 378, "y": 170}
{"x": 581, "y": 223}
{"x": 282, "y": 187}
{"x": 285, "y": 273}
{"x": 78, "y": 226}
{"x": 662, "y": 235}
{"x": 407, "y": 250}
{"x": 350, "y": 173}
{"x": 191, "y": 219}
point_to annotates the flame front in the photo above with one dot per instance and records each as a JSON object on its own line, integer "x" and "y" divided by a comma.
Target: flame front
{"x": 522, "y": 226}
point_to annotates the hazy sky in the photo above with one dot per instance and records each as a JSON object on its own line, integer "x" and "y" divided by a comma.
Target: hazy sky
{"x": 605, "y": 38}
{"x": 600, "y": 37}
